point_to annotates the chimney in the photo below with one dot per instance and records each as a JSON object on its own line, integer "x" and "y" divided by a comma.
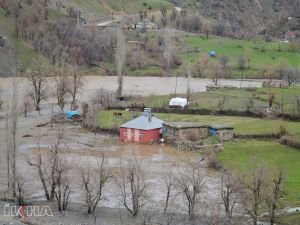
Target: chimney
{"x": 147, "y": 113}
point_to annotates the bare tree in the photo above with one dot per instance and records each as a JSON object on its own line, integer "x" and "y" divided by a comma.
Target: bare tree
{"x": 169, "y": 182}
{"x": 169, "y": 50}
{"x": 132, "y": 186}
{"x": 120, "y": 60}
{"x": 74, "y": 88}
{"x": 12, "y": 134}
{"x": 61, "y": 91}
{"x": 191, "y": 181}
{"x": 229, "y": 194}
{"x": 20, "y": 189}
{"x": 37, "y": 78}
{"x": 215, "y": 72}
{"x": 254, "y": 194}
{"x": 276, "y": 191}
{"x": 48, "y": 168}
{"x": 62, "y": 193}
{"x": 93, "y": 184}
{"x": 38, "y": 163}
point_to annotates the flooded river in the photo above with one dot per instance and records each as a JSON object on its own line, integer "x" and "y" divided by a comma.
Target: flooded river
{"x": 142, "y": 86}
{"x": 85, "y": 148}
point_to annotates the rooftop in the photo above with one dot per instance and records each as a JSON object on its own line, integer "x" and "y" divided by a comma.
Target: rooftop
{"x": 185, "y": 125}
{"x": 143, "y": 123}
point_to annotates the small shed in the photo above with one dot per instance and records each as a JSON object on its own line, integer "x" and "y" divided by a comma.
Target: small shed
{"x": 143, "y": 129}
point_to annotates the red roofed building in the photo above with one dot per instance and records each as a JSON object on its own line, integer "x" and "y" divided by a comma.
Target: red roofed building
{"x": 143, "y": 129}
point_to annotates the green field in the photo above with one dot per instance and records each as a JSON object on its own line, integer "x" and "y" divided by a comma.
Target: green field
{"x": 238, "y": 156}
{"x": 235, "y": 99}
{"x": 263, "y": 55}
{"x": 242, "y": 125}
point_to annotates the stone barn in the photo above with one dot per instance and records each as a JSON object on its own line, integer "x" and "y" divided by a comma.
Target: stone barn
{"x": 190, "y": 131}
{"x": 183, "y": 131}
{"x": 143, "y": 129}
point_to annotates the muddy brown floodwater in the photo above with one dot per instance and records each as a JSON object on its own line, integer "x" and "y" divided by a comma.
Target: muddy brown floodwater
{"x": 84, "y": 148}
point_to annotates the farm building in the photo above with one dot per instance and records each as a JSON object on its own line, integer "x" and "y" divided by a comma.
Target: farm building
{"x": 143, "y": 129}
{"x": 183, "y": 131}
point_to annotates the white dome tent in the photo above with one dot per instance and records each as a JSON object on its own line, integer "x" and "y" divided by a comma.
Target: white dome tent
{"x": 178, "y": 102}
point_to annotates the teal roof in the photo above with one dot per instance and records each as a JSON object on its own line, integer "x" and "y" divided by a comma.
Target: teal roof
{"x": 143, "y": 123}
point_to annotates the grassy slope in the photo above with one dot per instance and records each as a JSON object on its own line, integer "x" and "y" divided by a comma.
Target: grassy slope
{"x": 24, "y": 51}
{"x": 259, "y": 60}
{"x": 238, "y": 155}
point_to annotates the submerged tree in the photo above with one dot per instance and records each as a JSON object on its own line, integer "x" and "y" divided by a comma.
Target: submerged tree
{"x": 132, "y": 186}
{"x": 37, "y": 78}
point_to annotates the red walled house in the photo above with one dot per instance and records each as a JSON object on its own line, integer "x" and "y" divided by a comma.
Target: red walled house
{"x": 143, "y": 129}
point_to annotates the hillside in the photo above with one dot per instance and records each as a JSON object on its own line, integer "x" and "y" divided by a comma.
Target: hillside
{"x": 244, "y": 18}
{"x": 46, "y": 30}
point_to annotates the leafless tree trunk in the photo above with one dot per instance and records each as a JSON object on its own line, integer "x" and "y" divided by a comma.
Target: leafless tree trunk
{"x": 215, "y": 72}
{"x": 12, "y": 134}
{"x": 38, "y": 163}
{"x": 229, "y": 194}
{"x": 7, "y": 147}
{"x": 20, "y": 189}
{"x": 168, "y": 53}
{"x": 191, "y": 181}
{"x": 62, "y": 193}
{"x": 37, "y": 78}
{"x": 93, "y": 184}
{"x": 75, "y": 86}
{"x": 132, "y": 186}
{"x": 188, "y": 87}
{"x": 120, "y": 60}
{"x": 61, "y": 82}
{"x": 276, "y": 191}
{"x": 169, "y": 182}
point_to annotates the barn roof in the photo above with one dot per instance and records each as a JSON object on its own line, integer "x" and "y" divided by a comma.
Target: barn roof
{"x": 143, "y": 123}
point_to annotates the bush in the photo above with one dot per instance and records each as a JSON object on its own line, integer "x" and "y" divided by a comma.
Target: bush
{"x": 213, "y": 162}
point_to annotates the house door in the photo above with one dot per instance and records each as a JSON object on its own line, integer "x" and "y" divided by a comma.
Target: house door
{"x": 136, "y": 136}
{"x": 128, "y": 134}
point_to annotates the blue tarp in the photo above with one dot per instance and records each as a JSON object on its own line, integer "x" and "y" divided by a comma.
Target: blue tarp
{"x": 71, "y": 114}
{"x": 213, "y": 131}
{"x": 212, "y": 53}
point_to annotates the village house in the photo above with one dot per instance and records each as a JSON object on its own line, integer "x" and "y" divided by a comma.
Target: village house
{"x": 143, "y": 129}
{"x": 183, "y": 131}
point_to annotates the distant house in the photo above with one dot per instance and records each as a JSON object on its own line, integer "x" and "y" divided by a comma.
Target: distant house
{"x": 143, "y": 129}
{"x": 288, "y": 36}
{"x": 183, "y": 131}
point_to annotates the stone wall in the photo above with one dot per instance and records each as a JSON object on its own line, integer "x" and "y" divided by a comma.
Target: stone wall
{"x": 225, "y": 134}
{"x": 190, "y": 134}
